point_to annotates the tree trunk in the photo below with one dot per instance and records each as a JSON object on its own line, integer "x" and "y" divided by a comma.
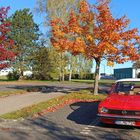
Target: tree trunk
{"x": 63, "y": 76}
{"x": 21, "y": 77}
{"x": 95, "y": 91}
{"x": 60, "y": 76}
{"x": 70, "y": 74}
{"x": 71, "y": 66}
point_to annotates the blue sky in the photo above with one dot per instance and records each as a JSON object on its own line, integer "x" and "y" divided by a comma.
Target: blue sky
{"x": 130, "y": 8}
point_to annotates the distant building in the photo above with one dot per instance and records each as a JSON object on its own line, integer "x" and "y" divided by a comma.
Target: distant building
{"x": 126, "y": 73}
{"x": 6, "y": 71}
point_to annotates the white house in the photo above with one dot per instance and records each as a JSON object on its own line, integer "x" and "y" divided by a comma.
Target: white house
{"x": 6, "y": 71}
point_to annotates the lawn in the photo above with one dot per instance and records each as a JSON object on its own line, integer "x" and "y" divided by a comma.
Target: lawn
{"x": 101, "y": 82}
{"x": 4, "y": 80}
{"x": 12, "y": 92}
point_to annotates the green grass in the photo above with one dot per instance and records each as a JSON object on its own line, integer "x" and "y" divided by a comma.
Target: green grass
{"x": 82, "y": 81}
{"x": 31, "y": 110}
{"x": 101, "y": 82}
{"x": 3, "y": 78}
{"x": 12, "y": 92}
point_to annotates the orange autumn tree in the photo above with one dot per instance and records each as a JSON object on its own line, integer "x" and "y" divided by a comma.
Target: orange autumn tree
{"x": 95, "y": 33}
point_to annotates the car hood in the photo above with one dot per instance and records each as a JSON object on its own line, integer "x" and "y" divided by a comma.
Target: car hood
{"x": 122, "y": 102}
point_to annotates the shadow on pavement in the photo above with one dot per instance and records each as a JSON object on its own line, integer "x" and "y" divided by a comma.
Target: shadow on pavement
{"x": 43, "y": 128}
{"x": 55, "y": 88}
{"x": 83, "y": 112}
{"x": 49, "y": 89}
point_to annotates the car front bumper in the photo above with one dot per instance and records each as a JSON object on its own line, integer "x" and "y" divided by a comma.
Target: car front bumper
{"x": 112, "y": 119}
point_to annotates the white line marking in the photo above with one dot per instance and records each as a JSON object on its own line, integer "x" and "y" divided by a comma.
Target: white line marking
{"x": 86, "y": 133}
{"x": 85, "y": 130}
{"x": 91, "y": 126}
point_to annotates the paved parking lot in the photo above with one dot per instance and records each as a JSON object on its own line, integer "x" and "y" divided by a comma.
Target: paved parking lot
{"x": 50, "y": 86}
{"x": 73, "y": 122}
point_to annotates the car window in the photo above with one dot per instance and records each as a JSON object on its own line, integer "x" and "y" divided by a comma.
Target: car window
{"x": 127, "y": 88}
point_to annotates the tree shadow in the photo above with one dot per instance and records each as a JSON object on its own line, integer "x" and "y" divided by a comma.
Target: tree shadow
{"x": 47, "y": 89}
{"x": 83, "y": 112}
{"x": 51, "y": 87}
{"x": 43, "y": 128}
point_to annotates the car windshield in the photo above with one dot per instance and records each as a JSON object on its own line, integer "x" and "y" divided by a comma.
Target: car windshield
{"x": 127, "y": 88}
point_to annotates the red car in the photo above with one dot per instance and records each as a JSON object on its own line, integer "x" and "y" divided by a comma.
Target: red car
{"x": 122, "y": 106}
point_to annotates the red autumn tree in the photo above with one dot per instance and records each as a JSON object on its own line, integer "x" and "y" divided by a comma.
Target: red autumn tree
{"x": 95, "y": 33}
{"x": 6, "y": 44}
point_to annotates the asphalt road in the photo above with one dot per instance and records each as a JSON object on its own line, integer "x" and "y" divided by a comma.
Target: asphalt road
{"x": 50, "y": 86}
{"x": 77, "y": 121}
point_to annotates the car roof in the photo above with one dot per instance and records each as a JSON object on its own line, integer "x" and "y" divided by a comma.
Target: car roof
{"x": 129, "y": 80}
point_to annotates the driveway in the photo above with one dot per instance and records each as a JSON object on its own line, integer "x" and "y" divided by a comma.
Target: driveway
{"x": 77, "y": 121}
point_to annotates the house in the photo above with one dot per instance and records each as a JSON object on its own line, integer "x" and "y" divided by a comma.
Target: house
{"x": 6, "y": 71}
{"x": 126, "y": 73}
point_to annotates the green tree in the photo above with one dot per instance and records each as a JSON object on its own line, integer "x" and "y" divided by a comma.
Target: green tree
{"x": 79, "y": 65}
{"x": 85, "y": 66}
{"x": 44, "y": 63}
{"x": 56, "y": 8}
{"x": 25, "y": 33}
{"x": 136, "y": 65}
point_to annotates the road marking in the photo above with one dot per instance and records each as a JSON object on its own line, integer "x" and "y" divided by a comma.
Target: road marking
{"x": 85, "y": 133}
{"x": 91, "y": 126}
{"x": 87, "y": 129}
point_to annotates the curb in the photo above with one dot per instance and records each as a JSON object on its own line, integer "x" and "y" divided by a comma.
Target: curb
{"x": 58, "y": 106}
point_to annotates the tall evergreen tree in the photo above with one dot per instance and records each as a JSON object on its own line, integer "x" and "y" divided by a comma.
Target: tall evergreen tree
{"x": 25, "y": 33}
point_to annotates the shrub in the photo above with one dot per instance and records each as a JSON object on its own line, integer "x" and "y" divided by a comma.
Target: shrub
{"x": 87, "y": 76}
{"x": 138, "y": 75}
{"x": 37, "y": 76}
{"x": 13, "y": 75}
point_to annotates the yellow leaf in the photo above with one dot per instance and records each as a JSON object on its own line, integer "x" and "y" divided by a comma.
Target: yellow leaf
{"x": 110, "y": 63}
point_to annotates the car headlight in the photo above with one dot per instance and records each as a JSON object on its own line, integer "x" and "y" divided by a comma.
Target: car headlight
{"x": 103, "y": 110}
